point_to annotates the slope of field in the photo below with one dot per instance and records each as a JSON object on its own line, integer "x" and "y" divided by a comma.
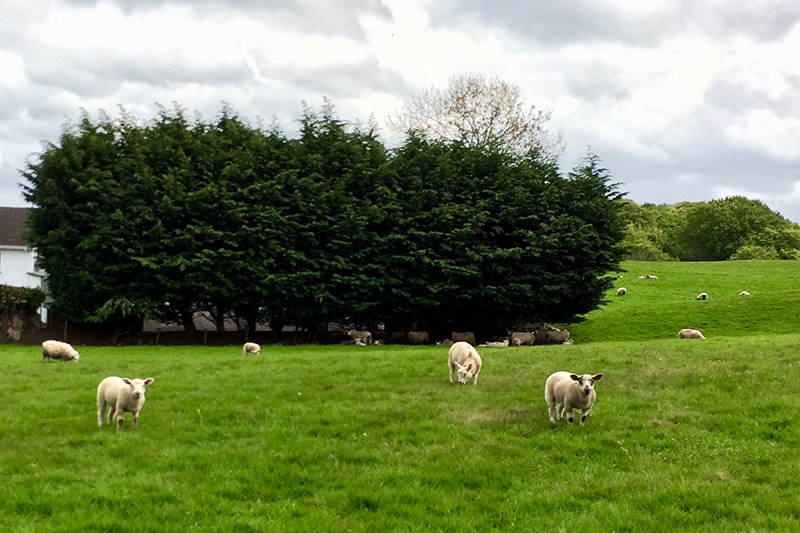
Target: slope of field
{"x": 658, "y": 309}
{"x": 685, "y": 435}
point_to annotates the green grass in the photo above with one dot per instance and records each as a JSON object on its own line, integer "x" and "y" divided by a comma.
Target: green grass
{"x": 658, "y": 309}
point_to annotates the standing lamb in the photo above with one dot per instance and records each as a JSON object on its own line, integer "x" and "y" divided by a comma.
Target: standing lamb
{"x": 251, "y": 348}
{"x": 690, "y": 334}
{"x": 564, "y": 391}
{"x": 360, "y": 338}
{"x": 463, "y": 359}
{"x": 59, "y": 350}
{"x": 702, "y": 296}
{"x": 121, "y": 395}
{"x": 622, "y": 291}
{"x": 520, "y": 338}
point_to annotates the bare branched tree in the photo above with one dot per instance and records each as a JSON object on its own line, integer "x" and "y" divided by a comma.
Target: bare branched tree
{"x": 480, "y": 112}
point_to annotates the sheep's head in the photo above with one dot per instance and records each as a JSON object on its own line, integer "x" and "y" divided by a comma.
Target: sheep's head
{"x": 586, "y": 381}
{"x": 137, "y": 386}
{"x": 465, "y": 372}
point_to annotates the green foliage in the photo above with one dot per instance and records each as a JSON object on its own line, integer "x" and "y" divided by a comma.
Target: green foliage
{"x": 754, "y": 251}
{"x": 684, "y": 436}
{"x": 20, "y": 299}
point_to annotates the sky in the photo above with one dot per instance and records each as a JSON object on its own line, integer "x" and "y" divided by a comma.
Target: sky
{"x": 683, "y": 100}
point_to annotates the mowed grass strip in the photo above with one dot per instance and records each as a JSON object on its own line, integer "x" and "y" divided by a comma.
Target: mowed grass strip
{"x": 685, "y": 434}
{"x": 658, "y": 309}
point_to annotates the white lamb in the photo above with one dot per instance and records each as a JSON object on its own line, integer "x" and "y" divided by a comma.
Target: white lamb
{"x": 59, "y": 350}
{"x": 360, "y": 338}
{"x": 744, "y": 293}
{"x": 702, "y": 296}
{"x": 121, "y": 395}
{"x": 622, "y": 291}
{"x": 463, "y": 359}
{"x": 251, "y": 348}
{"x": 564, "y": 391}
{"x": 687, "y": 333}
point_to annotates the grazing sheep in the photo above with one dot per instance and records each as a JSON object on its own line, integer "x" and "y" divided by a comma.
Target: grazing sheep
{"x": 418, "y": 337}
{"x": 121, "y": 395}
{"x": 59, "y": 350}
{"x": 650, "y": 276}
{"x": 690, "y": 334}
{"x": 744, "y": 293}
{"x": 622, "y": 291}
{"x": 702, "y": 296}
{"x": 564, "y": 391}
{"x": 251, "y": 348}
{"x": 519, "y": 338}
{"x": 360, "y": 338}
{"x": 464, "y": 360}
{"x": 464, "y": 336}
{"x": 546, "y": 336}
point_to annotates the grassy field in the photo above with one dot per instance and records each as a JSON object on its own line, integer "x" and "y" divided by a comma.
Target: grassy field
{"x": 686, "y": 435}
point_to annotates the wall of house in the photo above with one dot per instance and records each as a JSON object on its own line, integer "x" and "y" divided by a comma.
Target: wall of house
{"x": 17, "y": 267}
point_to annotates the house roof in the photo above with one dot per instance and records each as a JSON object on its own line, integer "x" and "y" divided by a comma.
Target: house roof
{"x": 12, "y": 226}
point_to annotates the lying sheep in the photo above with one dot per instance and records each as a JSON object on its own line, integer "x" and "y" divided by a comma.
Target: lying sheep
{"x": 622, "y": 291}
{"x": 464, "y": 336}
{"x": 121, "y": 395}
{"x": 702, "y": 296}
{"x": 464, "y": 360}
{"x": 564, "y": 391}
{"x": 360, "y": 338}
{"x": 650, "y": 276}
{"x": 59, "y": 350}
{"x": 690, "y": 334}
{"x": 418, "y": 337}
{"x": 520, "y": 338}
{"x": 251, "y": 348}
{"x": 744, "y": 293}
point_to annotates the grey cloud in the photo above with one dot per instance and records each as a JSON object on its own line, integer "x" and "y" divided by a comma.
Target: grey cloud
{"x": 596, "y": 82}
{"x": 737, "y": 97}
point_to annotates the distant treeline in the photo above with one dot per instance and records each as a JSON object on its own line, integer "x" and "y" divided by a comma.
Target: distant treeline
{"x": 171, "y": 216}
{"x": 731, "y": 228}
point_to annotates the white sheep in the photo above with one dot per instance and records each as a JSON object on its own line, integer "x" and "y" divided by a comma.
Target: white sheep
{"x": 622, "y": 291}
{"x": 650, "y": 276}
{"x": 360, "y": 338}
{"x": 744, "y": 293}
{"x": 688, "y": 333}
{"x": 59, "y": 350}
{"x": 121, "y": 395}
{"x": 463, "y": 359}
{"x": 702, "y": 296}
{"x": 463, "y": 336}
{"x": 520, "y": 338}
{"x": 251, "y": 348}
{"x": 565, "y": 391}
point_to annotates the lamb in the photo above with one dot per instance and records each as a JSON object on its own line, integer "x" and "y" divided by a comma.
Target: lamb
{"x": 419, "y": 337}
{"x": 121, "y": 395}
{"x": 251, "y": 348}
{"x": 650, "y": 276}
{"x": 744, "y": 293}
{"x": 465, "y": 336}
{"x": 464, "y": 360}
{"x": 519, "y": 338}
{"x": 59, "y": 350}
{"x": 702, "y": 296}
{"x": 622, "y": 291}
{"x": 564, "y": 391}
{"x": 360, "y": 338}
{"x": 690, "y": 334}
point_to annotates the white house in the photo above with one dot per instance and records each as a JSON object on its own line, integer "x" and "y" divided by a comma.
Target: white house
{"x": 18, "y": 265}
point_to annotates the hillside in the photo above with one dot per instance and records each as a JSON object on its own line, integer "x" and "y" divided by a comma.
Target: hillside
{"x": 658, "y": 309}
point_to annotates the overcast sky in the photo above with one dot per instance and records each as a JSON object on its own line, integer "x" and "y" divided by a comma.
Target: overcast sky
{"x": 682, "y": 100}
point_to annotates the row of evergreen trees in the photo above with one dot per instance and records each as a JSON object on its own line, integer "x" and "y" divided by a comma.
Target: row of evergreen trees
{"x": 164, "y": 218}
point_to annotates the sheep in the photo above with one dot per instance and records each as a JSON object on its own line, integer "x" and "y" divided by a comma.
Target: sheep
{"x": 495, "y": 344}
{"x": 121, "y": 395}
{"x": 622, "y": 291}
{"x": 702, "y": 296}
{"x": 565, "y": 391}
{"x": 418, "y": 337}
{"x": 547, "y": 336}
{"x": 744, "y": 293}
{"x": 465, "y": 336}
{"x": 59, "y": 350}
{"x": 519, "y": 338}
{"x": 687, "y": 333}
{"x": 360, "y": 338}
{"x": 463, "y": 359}
{"x": 650, "y": 276}
{"x": 251, "y": 348}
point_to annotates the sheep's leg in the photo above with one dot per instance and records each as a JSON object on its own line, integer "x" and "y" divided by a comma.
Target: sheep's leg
{"x": 101, "y": 412}
{"x": 560, "y": 408}
{"x": 584, "y": 413}
{"x": 135, "y": 420}
{"x": 551, "y": 411}
{"x": 450, "y": 366}
{"x": 111, "y": 411}
{"x": 475, "y": 379}
{"x": 120, "y": 419}
{"x": 570, "y": 418}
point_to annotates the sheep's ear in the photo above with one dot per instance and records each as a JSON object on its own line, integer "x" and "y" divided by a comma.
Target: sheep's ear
{"x": 574, "y": 377}
{"x": 597, "y": 377}
{"x": 148, "y": 381}
{"x": 126, "y": 381}
{"x": 469, "y": 367}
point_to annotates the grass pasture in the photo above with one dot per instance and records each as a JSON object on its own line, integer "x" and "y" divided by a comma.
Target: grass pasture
{"x": 685, "y": 435}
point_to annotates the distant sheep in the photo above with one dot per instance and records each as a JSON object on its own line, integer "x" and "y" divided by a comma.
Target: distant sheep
{"x": 464, "y": 336}
{"x": 60, "y": 351}
{"x": 446, "y": 342}
{"x": 744, "y": 293}
{"x": 121, "y": 395}
{"x": 690, "y": 334}
{"x": 564, "y": 392}
{"x": 251, "y": 348}
{"x": 495, "y": 344}
{"x": 546, "y": 336}
{"x": 622, "y": 291}
{"x": 650, "y": 276}
{"x": 418, "y": 337}
{"x": 360, "y": 338}
{"x": 520, "y": 338}
{"x": 463, "y": 359}
{"x": 702, "y": 296}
